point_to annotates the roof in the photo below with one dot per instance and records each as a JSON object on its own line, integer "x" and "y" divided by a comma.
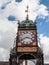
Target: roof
{"x": 4, "y": 63}
{"x": 7, "y": 63}
{"x": 46, "y": 64}
{"x": 27, "y": 21}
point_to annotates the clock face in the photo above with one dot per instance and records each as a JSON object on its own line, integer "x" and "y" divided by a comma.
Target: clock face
{"x": 26, "y": 37}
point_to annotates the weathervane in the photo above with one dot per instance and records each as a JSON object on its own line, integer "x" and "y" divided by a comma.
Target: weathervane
{"x": 27, "y": 12}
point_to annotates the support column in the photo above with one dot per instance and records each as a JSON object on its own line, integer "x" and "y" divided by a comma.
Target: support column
{"x": 26, "y": 63}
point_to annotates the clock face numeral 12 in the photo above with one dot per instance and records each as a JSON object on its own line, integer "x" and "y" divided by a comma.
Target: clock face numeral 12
{"x": 26, "y": 37}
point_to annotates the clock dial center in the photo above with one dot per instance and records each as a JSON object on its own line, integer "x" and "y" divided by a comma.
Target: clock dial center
{"x": 26, "y": 37}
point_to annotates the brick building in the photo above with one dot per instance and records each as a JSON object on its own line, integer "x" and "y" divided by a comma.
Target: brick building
{"x": 7, "y": 63}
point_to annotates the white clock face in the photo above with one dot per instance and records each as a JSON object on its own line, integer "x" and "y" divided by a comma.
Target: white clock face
{"x": 26, "y": 37}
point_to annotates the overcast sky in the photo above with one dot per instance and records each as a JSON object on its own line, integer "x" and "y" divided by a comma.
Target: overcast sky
{"x": 13, "y": 10}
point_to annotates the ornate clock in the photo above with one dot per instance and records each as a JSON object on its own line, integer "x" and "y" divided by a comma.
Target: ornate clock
{"x": 26, "y": 37}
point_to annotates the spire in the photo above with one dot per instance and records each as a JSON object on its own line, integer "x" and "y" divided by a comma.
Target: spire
{"x": 27, "y": 13}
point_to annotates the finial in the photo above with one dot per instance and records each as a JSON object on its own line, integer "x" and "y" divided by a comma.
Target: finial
{"x": 27, "y": 12}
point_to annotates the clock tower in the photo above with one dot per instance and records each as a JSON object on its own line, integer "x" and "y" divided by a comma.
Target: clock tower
{"x": 26, "y": 44}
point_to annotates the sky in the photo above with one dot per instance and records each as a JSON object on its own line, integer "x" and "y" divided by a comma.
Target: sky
{"x": 13, "y": 10}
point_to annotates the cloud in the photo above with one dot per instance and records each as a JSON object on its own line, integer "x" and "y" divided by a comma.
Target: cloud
{"x": 4, "y": 54}
{"x": 6, "y": 25}
{"x": 5, "y": 2}
{"x": 8, "y": 32}
{"x": 45, "y": 45}
{"x": 18, "y": 9}
{"x": 43, "y": 11}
